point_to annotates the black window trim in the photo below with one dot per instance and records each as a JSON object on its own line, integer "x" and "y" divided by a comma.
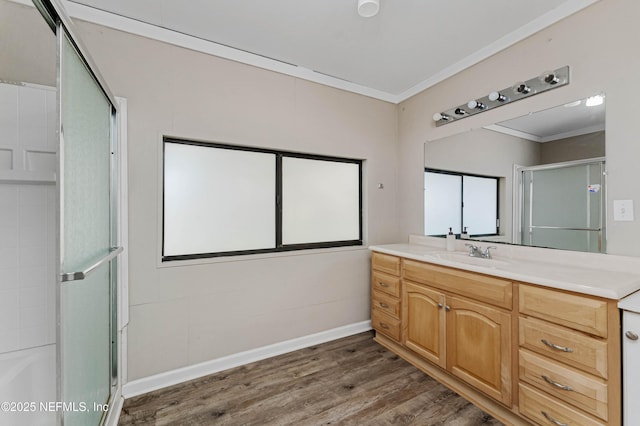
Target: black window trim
{"x": 463, "y": 174}
{"x": 279, "y": 246}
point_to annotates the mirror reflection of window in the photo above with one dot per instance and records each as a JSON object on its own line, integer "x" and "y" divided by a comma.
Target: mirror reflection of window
{"x": 458, "y": 201}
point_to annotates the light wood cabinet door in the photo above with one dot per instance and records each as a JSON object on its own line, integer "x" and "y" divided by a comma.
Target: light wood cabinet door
{"x": 423, "y": 322}
{"x": 479, "y": 346}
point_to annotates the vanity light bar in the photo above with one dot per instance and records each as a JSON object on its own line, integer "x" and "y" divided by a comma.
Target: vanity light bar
{"x": 522, "y": 89}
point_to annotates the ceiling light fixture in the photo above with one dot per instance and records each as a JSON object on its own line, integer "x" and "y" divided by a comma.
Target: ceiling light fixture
{"x": 521, "y": 90}
{"x": 368, "y": 8}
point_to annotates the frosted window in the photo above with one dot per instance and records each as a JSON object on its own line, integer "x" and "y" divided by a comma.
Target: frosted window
{"x": 222, "y": 200}
{"x": 480, "y": 204}
{"x": 320, "y": 201}
{"x": 454, "y": 200}
{"x": 442, "y": 203}
{"x": 218, "y": 200}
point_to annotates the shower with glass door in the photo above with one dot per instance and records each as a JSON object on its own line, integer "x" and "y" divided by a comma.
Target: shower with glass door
{"x": 562, "y": 205}
{"x": 60, "y": 241}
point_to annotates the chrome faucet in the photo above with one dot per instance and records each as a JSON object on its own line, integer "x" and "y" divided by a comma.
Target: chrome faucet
{"x": 475, "y": 251}
{"x": 486, "y": 253}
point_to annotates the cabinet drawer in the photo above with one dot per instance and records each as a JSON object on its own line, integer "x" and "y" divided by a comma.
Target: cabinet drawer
{"x": 386, "y": 303}
{"x": 492, "y": 290}
{"x": 581, "y": 351}
{"x": 385, "y": 324}
{"x": 572, "y": 310}
{"x": 547, "y": 411}
{"x": 580, "y": 389}
{"x": 385, "y": 263}
{"x": 385, "y": 283}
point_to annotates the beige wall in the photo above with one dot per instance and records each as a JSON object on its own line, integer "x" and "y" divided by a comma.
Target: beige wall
{"x": 601, "y": 58}
{"x": 591, "y": 145}
{"x": 185, "y": 314}
{"x": 28, "y": 50}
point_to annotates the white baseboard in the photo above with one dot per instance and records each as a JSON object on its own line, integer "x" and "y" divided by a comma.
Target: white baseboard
{"x": 169, "y": 378}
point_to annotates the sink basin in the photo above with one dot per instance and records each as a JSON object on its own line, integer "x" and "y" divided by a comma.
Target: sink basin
{"x": 465, "y": 258}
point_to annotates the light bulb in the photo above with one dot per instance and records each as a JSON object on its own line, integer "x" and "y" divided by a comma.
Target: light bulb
{"x": 521, "y": 88}
{"x": 594, "y": 101}
{"x": 549, "y": 77}
{"x": 496, "y": 96}
{"x": 368, "y": 8}
{"x": 440, "y": 116}
{"x": 460, "y": 111}
{"x": 476, "y": 105}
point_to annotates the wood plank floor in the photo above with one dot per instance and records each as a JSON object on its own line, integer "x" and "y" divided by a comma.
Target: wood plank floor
{"x": 351, "y": 381}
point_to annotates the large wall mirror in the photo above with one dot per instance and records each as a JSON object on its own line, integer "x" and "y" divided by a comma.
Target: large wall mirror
{"x": 536, "y": 180}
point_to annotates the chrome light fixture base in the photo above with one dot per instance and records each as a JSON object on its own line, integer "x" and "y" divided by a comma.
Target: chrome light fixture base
{"x": 521, "y": 90}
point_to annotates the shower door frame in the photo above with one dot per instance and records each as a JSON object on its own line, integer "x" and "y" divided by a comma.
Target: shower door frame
{"x": 518, "y": 196}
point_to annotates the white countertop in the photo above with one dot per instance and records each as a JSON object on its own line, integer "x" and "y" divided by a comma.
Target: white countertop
{"x": 608, "y": 276}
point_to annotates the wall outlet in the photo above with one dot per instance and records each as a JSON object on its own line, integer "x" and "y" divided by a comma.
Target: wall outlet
{"x": 623, "y": 210}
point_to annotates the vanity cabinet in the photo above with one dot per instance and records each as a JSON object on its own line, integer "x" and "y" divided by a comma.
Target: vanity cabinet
{"x": 385, "y": 295}
{"x": 468, "y": 338}
{"x": 525, "y": 353}
{"x": 569, "y": 362}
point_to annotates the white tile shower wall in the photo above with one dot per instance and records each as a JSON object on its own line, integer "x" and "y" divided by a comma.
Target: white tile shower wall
{"x": 27, "y": 265}
{"x": 28, "y": 137}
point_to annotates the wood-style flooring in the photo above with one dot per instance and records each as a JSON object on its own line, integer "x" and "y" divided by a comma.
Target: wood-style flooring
{"x": 351, "y": 381}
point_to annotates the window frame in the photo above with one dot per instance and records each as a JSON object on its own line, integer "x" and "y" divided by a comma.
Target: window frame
{"x": 462, "y": 175}
{"x": 279, "y": 246}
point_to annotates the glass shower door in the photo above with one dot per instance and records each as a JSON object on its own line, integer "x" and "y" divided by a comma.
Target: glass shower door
{"x": 87, "y": 257}
{"x": 563, "y": 207}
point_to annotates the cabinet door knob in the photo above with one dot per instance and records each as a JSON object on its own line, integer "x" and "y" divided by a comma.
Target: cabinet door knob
{"x": 631, "y": 335}
{"x": 447, "y": 308}
{"x": 440, "y": 305}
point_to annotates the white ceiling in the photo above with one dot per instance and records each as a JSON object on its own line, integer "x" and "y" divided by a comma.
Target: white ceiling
{"x": 409, "y": 46}
{"x": 563, "y": 121}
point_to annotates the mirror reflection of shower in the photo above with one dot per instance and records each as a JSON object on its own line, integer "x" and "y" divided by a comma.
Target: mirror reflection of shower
{"x": 562, "y": 205}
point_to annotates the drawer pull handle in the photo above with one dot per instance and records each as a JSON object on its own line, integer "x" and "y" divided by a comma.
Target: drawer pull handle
{"x": 556, "y": 384}
{"x": 631, "y": 335}
{"x": 383, "y": 325}
{"x": 383, "y": 305}
{"x": 552, "y": 420}
{"x": 383, "y": 284}
{"x": 557, "y": 347}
